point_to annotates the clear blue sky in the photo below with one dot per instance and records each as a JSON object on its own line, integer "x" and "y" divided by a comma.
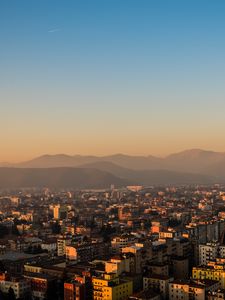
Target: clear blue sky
{"x": 106, "y": 76}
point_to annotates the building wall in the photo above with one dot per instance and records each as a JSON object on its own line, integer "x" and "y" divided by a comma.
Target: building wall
{"x": 111, "y": 288}
{"x": 209, "y": 273}
{"x": 20, "y": 288}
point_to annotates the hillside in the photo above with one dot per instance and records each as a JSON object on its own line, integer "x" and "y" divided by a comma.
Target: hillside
{"x": 58, "y": 178}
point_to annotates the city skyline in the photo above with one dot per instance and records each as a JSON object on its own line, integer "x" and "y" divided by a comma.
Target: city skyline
{"x": 87, "y": 77}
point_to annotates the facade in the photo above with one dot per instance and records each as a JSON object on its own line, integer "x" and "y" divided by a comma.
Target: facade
{"x": 110, "y": 287}
{"x": 40, "y": 284}
{"x": 212, "y": 271}
{"x": 120, "y": 242}
{"x": 216, "y": 295}
{"x": 59, "y": 212}
{"x": 210, "y": 251}
{"x": 191, "y": 290}
{"x": 49, "y": 246}
{"x": 159, "y": 268}
{"x": 118, "y": 265}
{"x": 141, "y": 252}
{"x": 74, "y": 291}
{"x": 71, "y": 253}
{"x": 20, "y": 286}
{"x": 186, "y": 291}
{"x": 158, "y": 283}
{"x": 61, "y": 246}
{"x": 180, "y": 267}
{"x": 85, "y": 251}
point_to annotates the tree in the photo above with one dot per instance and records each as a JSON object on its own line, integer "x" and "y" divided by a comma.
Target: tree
{"x": 11, "y": 294}
{"x": 15, "y": 230}
{"x": 51, "y": 293}
{"x": 56, "y": 228}
{"x": 174, "y": 223}
{"x": 106, "y": 232}
{"x": 2, "y": 267}
{"x": 2, "y": 295}
{"x": 3, "y": 231}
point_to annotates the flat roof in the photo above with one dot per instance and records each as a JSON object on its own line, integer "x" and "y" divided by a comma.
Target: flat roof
{"x": 13, "y": 255}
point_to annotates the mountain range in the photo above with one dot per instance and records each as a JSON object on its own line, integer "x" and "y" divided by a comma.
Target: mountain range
{"x": 186, "y": 167}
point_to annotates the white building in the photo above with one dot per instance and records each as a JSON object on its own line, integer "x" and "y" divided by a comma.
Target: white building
{"x": 49, "y": 245}
{"x": 209, "y": 252}
{"x": 122, "y": 241}
{"x": 159, "y": 283}
{"x": 61, "y": 246}
{"x": 186, "y": 291}
{"x": 20, "y": 286}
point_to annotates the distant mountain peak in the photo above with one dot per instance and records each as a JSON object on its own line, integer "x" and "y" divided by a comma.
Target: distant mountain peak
{"x": 195, "y": 152}
{"x": 192, "y": 160}
{"x": 53, "y": 155}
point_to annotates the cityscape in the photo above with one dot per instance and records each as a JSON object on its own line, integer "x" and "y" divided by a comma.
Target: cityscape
{"x": 112, "y": 154}
{"x": 134, "y": 242}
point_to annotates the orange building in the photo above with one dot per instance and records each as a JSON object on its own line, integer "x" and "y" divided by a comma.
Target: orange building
{"x": 74, "y": 290}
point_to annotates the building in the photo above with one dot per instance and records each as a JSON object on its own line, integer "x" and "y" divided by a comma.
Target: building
{"x": 212, "y": 271}
{"x": 74, "y": 290}
{"x": 185, "y": 290}
{"x": 41, "y": 284}
{"x": 49, "y": 245}
{"x": 158, "y": 268}
{"x": 84, "y": 252}
{"x": 20, "y": 286}
{"x": 145, "y": 295}
{"x": 61, "y": 246}
{"x": 59, "y": 212}
{"x": 170, "y": 233}
{"x": 216, "y": 295}
{"x": 191, "y": 290}
{"x": 71, "y": 253}
{"x": 119, "y": 265}
{"x": 158, "y": 283}
{"x": 111, "y": 287}
{"x": 141, "y": 252}
{"x": 180, "y": 267}
{"x": 122, "y": 241}
{"x": 135, "y": 188}
{"x": 209, "y": 252}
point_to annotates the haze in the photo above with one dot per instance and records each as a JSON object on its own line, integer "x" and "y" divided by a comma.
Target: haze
{"x": 103, "y": 77}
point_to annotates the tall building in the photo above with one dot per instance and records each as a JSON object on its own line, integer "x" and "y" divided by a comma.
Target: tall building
{"x": 59, "y": 212}
{"x": 74, "y": 291}
{"x": 209, "y": 252}
{"x": 159, "y": 283}
{"x": 61, "y": 246}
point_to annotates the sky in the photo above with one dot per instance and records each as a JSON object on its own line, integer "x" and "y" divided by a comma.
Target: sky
{"x": 100, "y": 77}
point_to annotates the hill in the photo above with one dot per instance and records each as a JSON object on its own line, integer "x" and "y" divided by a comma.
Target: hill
{"x": 153, "y": 177}
{"x": 193, "y": 166}
{"x": 191, "y": 161}
{"x": 76, "y": 178}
